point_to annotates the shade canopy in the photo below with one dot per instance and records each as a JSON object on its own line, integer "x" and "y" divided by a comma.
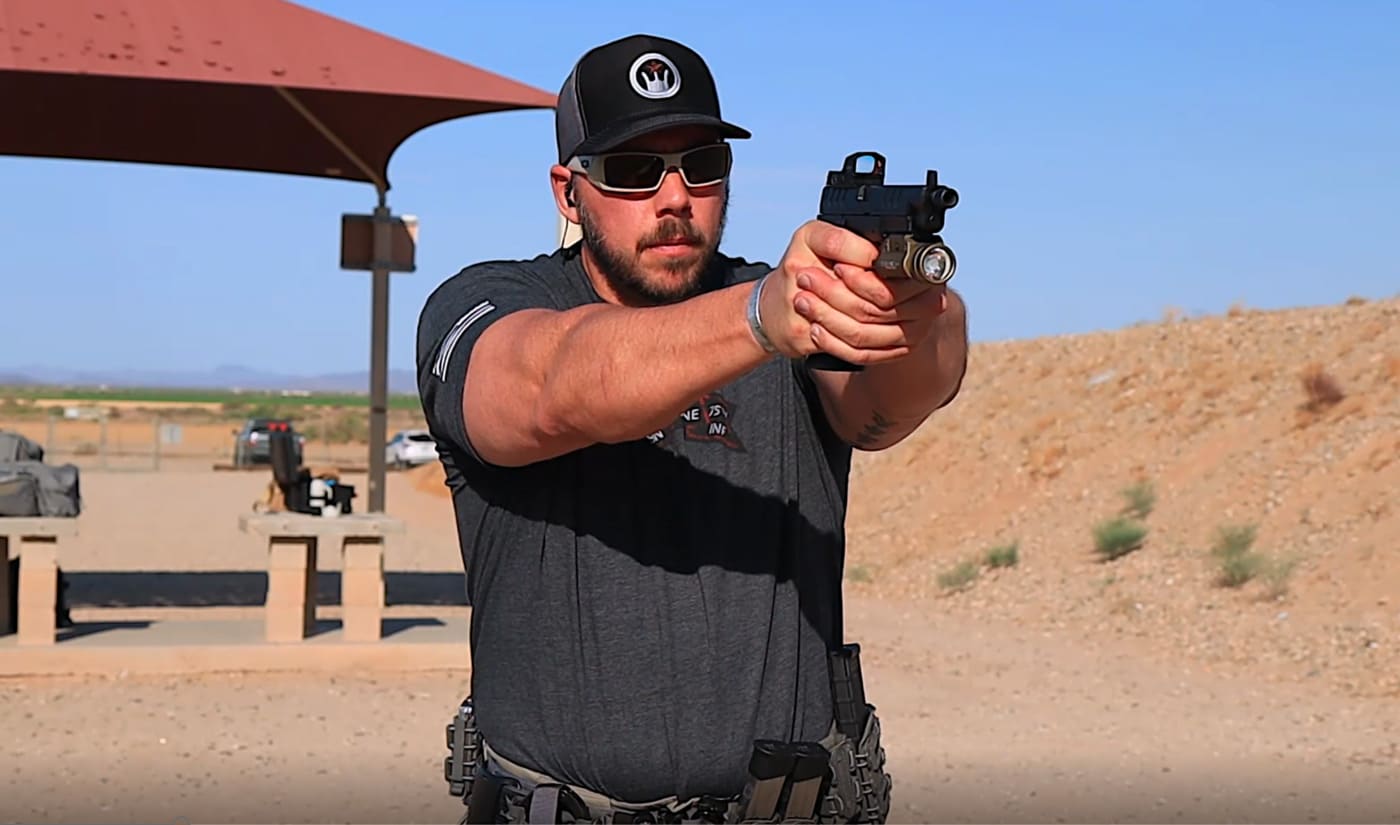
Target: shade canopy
{"x": 253, "y": 85}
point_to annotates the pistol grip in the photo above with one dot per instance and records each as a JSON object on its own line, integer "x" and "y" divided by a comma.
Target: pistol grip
{"x": 830, "y": 363}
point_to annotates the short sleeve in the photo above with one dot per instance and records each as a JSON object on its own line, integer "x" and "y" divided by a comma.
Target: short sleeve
{"x": 452, "y": 320}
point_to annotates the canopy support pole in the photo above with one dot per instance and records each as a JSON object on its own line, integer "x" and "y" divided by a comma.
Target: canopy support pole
{"x": 379, "y": 309}
{"x": 379, "y": 354}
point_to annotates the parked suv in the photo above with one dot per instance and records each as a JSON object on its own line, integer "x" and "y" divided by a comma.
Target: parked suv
{"x": 253, "y": 443}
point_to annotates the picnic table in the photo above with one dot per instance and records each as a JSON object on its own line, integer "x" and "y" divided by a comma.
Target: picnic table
{"x": 293, "y": 542}
{"x": 34, "y": 541}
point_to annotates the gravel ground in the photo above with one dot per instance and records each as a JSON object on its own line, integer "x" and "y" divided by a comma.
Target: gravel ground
{"x": 984, "y": 722}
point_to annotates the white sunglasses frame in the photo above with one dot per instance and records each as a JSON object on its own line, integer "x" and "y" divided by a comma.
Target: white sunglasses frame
{"x": 672, "y": 161}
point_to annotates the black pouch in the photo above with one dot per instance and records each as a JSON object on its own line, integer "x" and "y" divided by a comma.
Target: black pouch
{"x": 860, "y": 786}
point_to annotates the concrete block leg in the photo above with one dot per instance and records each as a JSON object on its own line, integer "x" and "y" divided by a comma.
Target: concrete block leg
{"x": 6, "y": 627}
{"x": 291, "y": 588}
{"x": 362, "y": 589}
{"x": 38, "y": 589}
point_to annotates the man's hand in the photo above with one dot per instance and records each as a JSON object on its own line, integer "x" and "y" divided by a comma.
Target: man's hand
{"x": 823, "y": 297}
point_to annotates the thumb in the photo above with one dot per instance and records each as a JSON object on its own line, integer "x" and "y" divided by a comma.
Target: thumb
{"x": 839, "y": 245}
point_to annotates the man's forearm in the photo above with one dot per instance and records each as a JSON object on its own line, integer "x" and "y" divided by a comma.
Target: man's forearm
{"x": 604, "y": 374}
{"x": 881, "y": 405}
{"x": 913, "y": 387}
{"x": 621, "y": 373}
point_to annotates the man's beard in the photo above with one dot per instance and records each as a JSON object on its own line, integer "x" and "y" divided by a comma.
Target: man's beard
{"x": 623, "y": 268}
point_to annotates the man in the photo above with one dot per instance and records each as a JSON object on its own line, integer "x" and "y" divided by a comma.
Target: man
{"x": 649, "y": 483}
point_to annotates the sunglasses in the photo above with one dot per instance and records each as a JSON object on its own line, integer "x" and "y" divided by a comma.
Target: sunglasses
{"x": 633, "y": 172}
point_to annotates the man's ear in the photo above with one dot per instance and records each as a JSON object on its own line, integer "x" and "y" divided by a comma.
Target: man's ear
{"x": 561, "y": 180}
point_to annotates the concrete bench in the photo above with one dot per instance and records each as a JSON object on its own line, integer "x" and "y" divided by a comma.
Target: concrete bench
{"x": 293, "y": 542}
{"x": 35, "y": 544}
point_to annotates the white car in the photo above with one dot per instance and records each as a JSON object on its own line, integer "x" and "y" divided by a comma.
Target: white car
{"x": 409, "y": 448}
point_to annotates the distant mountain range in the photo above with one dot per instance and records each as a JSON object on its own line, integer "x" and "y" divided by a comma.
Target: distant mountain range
{"x": 223, "y": 377}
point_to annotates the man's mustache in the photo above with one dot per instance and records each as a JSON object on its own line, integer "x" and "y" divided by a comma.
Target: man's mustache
{"x": 672, "y": 232}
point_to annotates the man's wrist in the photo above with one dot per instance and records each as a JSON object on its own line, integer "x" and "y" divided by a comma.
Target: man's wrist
{"x": 755, "y": 319}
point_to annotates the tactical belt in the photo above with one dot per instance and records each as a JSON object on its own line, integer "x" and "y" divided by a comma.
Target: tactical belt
{"x": 842, "y": 778}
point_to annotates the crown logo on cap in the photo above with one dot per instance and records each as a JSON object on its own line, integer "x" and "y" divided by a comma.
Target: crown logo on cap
{"x": 654, "y": 76}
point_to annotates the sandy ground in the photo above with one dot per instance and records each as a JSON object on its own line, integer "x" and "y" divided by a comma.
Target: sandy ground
{"x": 983, "y": 723}
{"x": 1064, "y": 688}
{"x": 987, "y": 718}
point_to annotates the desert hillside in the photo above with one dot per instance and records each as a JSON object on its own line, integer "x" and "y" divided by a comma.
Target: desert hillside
{"x": 1284, "y": 423}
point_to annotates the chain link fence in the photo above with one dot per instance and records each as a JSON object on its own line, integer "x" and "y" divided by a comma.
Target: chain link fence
{"x": 151, "y": 440}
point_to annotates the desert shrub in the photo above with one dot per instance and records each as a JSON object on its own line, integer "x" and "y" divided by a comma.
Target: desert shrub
{"x": 1276, "y": 574}
{"x": 1117, "y": 537}
{"x": 859, "y": 573}
{"x": 959, "y": 577}
{"x": 1236, "y": 569}
{"x": 1322, "y": 389}
{"x": 1234, "y": 539}
{"x": 1233, "y": 552}
{"x": 1006, "y": 555}
{"x": 1139, "y": 499}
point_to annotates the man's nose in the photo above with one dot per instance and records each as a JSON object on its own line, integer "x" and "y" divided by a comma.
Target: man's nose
{"x": 674, "y": 195}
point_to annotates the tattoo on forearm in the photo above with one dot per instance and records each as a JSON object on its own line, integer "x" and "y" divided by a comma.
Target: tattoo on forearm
{"x": 874, "y": 429}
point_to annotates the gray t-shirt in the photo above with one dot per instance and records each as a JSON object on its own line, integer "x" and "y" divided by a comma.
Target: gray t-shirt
{"x": 643, "y": 611}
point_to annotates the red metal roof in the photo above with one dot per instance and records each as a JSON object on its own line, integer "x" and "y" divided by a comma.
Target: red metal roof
{"x": 196, "y": 82}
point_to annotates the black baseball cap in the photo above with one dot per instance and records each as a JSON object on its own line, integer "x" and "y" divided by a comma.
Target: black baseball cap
{"x": 626, "y": 88}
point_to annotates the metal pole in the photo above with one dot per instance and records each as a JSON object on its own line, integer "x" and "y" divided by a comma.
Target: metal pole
{"x": 379, "y": 355}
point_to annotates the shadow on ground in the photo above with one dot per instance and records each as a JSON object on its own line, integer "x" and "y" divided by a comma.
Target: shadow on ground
{"x": 91, "y": 589}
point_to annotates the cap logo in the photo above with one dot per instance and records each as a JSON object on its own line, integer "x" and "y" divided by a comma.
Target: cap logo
{"x": 654, "y": 76}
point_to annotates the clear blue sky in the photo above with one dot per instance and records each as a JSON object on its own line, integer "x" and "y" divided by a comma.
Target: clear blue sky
{"x": 1114, "y": 159}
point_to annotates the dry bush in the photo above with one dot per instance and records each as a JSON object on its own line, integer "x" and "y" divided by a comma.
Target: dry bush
{"x": 1233, "y": 551}
{"x": 1276, "y": 574}
{"x": 1322, "y": 389}
{"x": 959, "y": 577}
{"x": 1355, "y": 301}
{"x": 1139, "y": 499}
{"x": 1006, "y": 555}
{"x": 1236, "y": 310}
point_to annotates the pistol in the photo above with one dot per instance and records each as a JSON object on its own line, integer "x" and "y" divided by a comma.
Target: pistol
{"x": 902, "y": 221}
